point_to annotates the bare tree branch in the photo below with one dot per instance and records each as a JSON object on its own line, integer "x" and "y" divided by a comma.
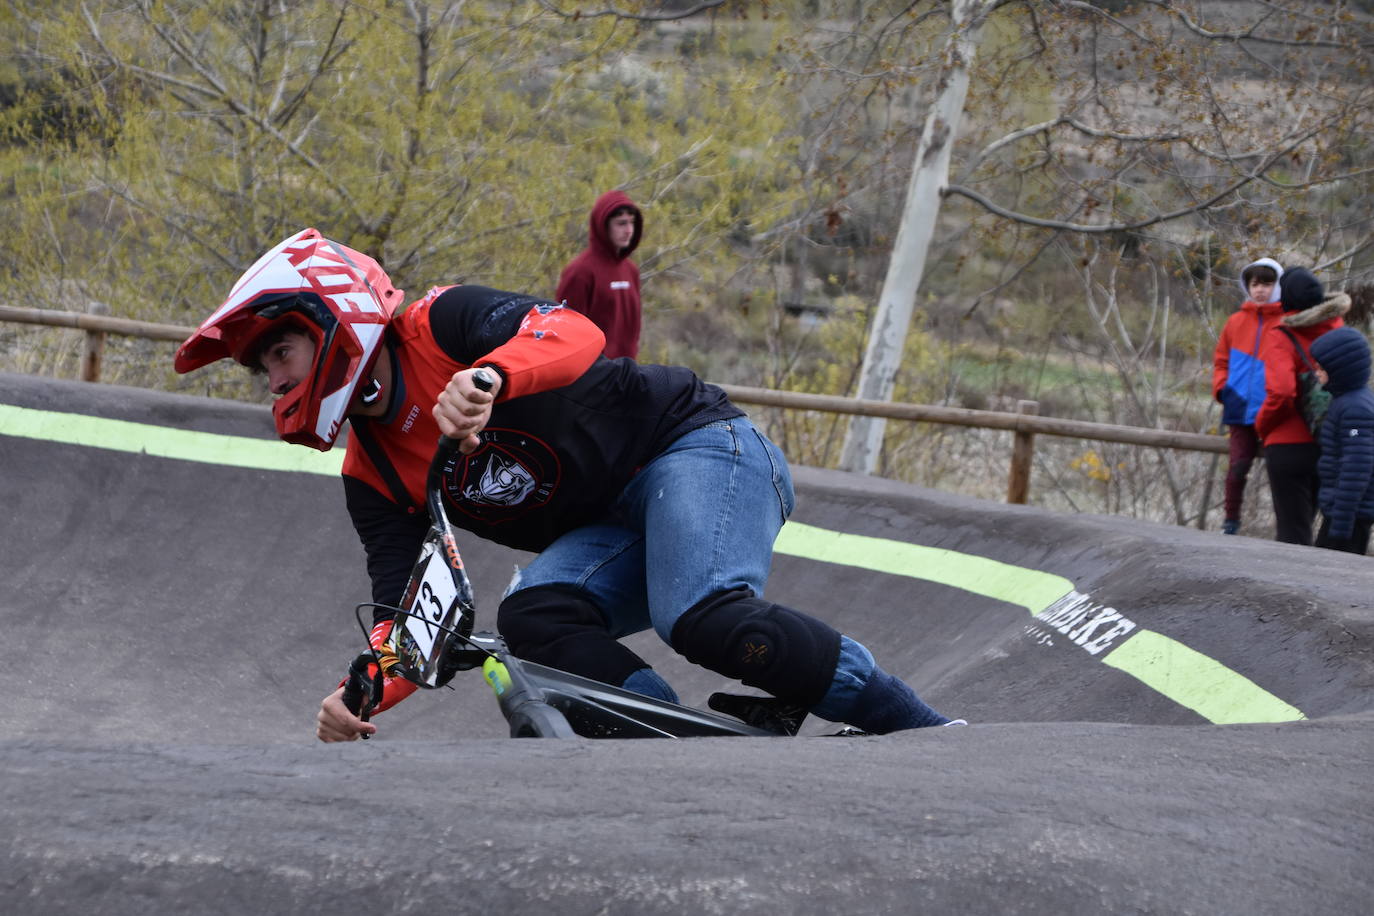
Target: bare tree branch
{"x": 1254, "y": 175}
{"x": 1345, "y": 255}
{"x": 220, "y": 93}
{"x": 1250, "y": 34}
{"x": 639, "y": 17}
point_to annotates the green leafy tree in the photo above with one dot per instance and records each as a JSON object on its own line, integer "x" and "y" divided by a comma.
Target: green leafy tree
{"x": 154, "y": 149}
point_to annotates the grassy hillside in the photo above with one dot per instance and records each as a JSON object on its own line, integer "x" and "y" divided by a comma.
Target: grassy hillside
{"x": 148, "y": 152}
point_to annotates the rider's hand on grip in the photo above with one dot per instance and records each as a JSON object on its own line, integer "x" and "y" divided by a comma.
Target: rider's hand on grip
{"x": 463, "y": 407}
{"x": 336, "y": 723}
{"x": 344, "y": 713}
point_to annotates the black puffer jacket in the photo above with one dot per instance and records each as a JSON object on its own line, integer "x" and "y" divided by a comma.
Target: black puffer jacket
{"x": 1346, "y": 467}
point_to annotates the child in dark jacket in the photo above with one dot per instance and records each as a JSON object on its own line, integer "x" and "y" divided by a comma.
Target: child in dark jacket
{"x": 1346, "y": 466}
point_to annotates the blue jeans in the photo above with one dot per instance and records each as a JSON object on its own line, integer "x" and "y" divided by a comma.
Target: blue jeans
{"x": 698, "y": 520}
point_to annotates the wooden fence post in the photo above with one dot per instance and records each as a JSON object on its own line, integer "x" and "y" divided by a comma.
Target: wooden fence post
{"x": 95, "y": 345}
{"x": 1022, "y": 451}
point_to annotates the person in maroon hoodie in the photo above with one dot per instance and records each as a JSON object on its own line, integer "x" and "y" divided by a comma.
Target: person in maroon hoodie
{"x": 1290, "y": 451}
{"x": 602, "y": 282}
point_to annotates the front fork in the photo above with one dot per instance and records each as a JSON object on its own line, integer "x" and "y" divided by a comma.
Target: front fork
{"x": 523, "y": 704}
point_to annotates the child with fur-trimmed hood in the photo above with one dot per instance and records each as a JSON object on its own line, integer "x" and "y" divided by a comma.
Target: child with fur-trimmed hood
{"x": 1290, "y": 452}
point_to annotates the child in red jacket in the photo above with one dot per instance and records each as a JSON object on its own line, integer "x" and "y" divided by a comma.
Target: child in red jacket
{"x": 1290, "y": 451}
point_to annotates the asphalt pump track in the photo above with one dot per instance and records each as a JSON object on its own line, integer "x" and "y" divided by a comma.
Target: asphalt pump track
{"x": 1164, "y": 720}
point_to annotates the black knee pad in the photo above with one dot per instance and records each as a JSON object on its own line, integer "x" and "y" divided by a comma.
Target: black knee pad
{"x": 765, "y": 645}
{"x": 562, "y": 628}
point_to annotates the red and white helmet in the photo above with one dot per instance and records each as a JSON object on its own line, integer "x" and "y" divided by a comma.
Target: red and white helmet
{"x": 341, "y": 298}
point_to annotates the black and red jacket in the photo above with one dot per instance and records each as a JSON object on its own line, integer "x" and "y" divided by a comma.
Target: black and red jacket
{"x": 567, "y": 432}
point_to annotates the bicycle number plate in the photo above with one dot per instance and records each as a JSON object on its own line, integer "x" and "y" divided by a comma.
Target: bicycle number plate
{"x": 433, "y": 600}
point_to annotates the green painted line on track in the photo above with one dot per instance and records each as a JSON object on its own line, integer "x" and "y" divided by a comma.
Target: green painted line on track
{"x": 1198, "y": 682}
{"x": 1028, "y": 588}
{"x": 1187, "y": 677}
{"x": 165, "y": 442}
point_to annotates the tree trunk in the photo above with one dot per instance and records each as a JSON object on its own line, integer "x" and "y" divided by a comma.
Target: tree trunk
{"x": 929, "y": 176}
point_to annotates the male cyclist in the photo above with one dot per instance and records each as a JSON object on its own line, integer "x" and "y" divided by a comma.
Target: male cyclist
{"x": 649, "y": 498}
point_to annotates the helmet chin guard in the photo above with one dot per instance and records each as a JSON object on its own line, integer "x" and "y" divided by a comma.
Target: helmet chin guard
{"x": 342, "y": 299}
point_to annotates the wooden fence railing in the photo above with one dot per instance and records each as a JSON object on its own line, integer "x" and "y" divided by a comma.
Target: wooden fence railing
{"x": 1025, "y": 424}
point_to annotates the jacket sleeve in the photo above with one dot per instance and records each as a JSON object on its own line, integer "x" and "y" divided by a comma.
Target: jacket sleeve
{"x": 394, "y": 689}
{"x": 1280, "y": 384}
{"x": 553, "y": 348}
{"x": 1353, "y": 435}
{"x": 1221, "y": 359}
{"x": 536, "y": 344}
{"x": 391, "y": 540}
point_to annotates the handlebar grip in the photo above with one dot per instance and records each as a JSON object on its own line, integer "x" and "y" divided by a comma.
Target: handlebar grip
{"x": 353, "y": 692}
{"x": 362, "y": 691}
